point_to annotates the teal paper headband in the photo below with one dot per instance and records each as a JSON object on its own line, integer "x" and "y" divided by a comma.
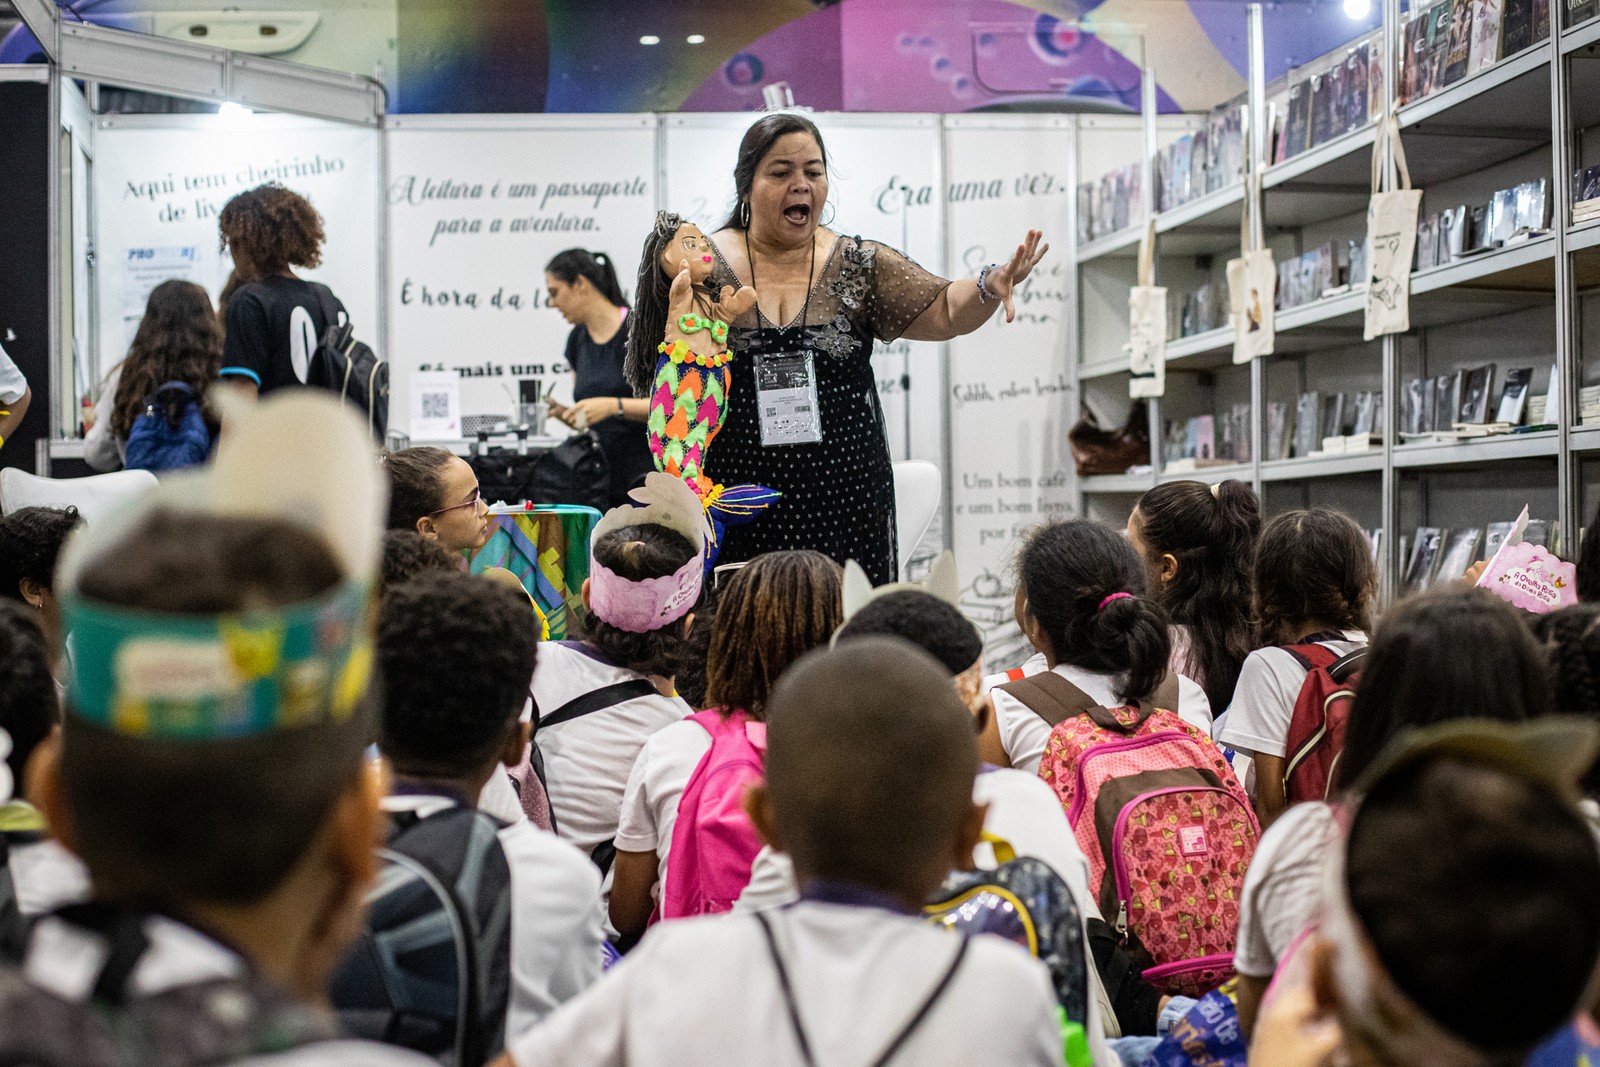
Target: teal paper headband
{"x": 210, "y": 677}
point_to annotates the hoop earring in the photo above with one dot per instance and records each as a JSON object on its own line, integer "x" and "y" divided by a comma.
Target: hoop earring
{"x": 744, "y": 214}
{"x": 829, "y": 220}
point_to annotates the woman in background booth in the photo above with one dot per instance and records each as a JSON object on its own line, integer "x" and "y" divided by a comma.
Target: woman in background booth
{"x": 178, "y": 340}
{"x": 583, "y": 286}
{"x": 824, "y": 299}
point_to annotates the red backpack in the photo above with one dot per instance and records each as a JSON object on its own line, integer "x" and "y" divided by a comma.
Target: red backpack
{"x": 1321, "y": 713}
{"x": 1167, "y": 828}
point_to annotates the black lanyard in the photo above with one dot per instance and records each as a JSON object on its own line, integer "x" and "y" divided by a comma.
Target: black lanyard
{"x": 811, "y": 284}
{"x": 905, "y": 1032}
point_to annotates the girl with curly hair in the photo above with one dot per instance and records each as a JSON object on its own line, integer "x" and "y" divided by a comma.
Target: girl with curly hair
{"x": 178, "y": 340}
{"x": 274, "y": 319}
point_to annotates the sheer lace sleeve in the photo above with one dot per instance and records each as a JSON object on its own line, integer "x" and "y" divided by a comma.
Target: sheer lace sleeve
{"x": 899, "y": 290}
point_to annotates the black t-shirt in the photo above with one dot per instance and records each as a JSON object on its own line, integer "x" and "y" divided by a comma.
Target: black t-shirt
{"x": 598, "y": 372}
{"x": 273, "y": 327}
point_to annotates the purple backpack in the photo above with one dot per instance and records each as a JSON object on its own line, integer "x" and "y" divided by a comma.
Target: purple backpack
{"x": 713, "y": 843}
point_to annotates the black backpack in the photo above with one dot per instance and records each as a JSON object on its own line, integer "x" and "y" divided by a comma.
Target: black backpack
{"x": 348, "y": 367}
{"x": 215, "y": 1021}
{"x": 573, "y": 472}
{"x": 432, "y": 970}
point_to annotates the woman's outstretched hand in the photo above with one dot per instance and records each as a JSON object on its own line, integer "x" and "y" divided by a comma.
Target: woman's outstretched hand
{"x": 1003, "y": 280}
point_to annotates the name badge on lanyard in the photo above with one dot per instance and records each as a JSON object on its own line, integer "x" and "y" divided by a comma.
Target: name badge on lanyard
{"x": 786, "y": 396}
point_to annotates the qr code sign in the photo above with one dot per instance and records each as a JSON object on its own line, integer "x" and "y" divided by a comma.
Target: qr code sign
{"x": 436, "y": 405}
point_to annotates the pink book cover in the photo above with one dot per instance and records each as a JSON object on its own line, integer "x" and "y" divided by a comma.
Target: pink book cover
{"x": 1529, "y": 576}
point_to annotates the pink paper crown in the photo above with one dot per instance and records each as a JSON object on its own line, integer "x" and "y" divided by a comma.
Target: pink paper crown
{"x": 639, "y": 607}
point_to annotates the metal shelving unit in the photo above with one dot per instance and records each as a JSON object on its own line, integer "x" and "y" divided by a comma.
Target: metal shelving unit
{"x": 1534, "y": 104}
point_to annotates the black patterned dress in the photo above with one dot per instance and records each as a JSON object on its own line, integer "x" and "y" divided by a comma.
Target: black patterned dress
{"x": 838, "y": 495}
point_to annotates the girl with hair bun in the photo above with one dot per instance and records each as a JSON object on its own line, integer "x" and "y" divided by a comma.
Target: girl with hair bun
{"x": 1082, "y": 604}
{"x": 583, "y": 286}
{"x": 1197, "y": 542}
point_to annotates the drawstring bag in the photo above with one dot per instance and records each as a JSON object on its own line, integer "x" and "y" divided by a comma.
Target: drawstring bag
{"x": 1391, "y": 240}
{"x": 1252, "y": 283}
{"x": 1147, "y": 325}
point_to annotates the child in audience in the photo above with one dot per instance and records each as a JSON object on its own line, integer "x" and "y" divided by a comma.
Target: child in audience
{"x": 769, "y": 614}
{"x": 1483, "y": 940}
{"x": 210, "y": 768}
{"x": 44, "y": 875}
{"x": 1314, "y": 584}
{"x": 596, "y": 701}
{"x": 1081, "y": 599}
{"x": 435, "y": 493}
{"x": 1448, "y": 654}
{"x": 1571, "y": 637}
{"x": 1197, "y": 542}
{"x": 869, "y": 788}
{"x": 407, "y": 554}
{"x": 30, "y": 544}
{"x": 454, "y": 656}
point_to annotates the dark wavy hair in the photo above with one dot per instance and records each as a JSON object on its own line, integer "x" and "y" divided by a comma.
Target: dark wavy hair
{"x": 1571, "y": 637}
{"x": 1589, "y": 562}
{"x": 416, "y": 486}
{"x": 575, "y": 263}
{"x": 1451, "y": 653}
{"x": 769, "y": 614}
{"x": 178, "y": 340}
{"x": 29, "y": 707}
{"x": 648, "y": 323}
{"x": 1212, "y": 535}
{"x": 753, "y": 148}
{"x": 1067, "y": 570}
{"x": 638, "y": 553}
{"x": 271, "y": 229}
{"x": 30, "y": 544}
{"x": 1312, "y": 566}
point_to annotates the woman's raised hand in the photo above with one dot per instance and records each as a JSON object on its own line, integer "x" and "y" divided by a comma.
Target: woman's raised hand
{"x": 1003, "y": 280}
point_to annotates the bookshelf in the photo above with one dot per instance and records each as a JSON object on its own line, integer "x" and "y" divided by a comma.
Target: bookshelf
{"x": 1532, "y": 303}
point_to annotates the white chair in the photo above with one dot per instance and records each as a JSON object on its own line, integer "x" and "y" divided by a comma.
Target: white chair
{"x": 94, "y": 496}
{"x": 917, "y": 490}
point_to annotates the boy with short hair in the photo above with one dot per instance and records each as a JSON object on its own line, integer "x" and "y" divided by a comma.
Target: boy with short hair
{"x": 1485, "y": 941}
{"x": 870, "y": 762}
{"x": 210, "y": 769}
{"x": 455, "y": 654}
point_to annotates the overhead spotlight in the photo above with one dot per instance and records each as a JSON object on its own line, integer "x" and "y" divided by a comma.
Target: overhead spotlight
{"x": 649, "y": 38}
{"x": 696, "y": 38}
{"x": 229, "y": 110}
{"x": 1357, "y": 9}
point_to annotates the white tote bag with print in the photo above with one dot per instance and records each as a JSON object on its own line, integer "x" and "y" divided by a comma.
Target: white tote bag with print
{"x": 1147, "y": 325}
{"x": 1252, "y": 283}
{"x": 1391, "y": 240}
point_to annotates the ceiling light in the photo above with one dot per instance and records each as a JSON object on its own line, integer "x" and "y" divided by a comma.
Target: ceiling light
{"x": 1358, "y": 9}
{"x": 649, "y": 38}
{"x": 696, "y": 38}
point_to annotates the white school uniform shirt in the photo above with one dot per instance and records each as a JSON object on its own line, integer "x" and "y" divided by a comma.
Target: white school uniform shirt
{"x": 656, "y": 785}
{"x": 587, "y": 760}
{"x": 555, "y": 915}
{"x": 1026, "y": 814}
{"x": 1024, "y": 734}
{"x": 706, "y": 992}
{"x": 1177, "y": 662}
{"x": 1263, "y": 701}
{"x": 1283, "y": 886}
{"x": 65, "y": 959}
{"x": 12, "y": 383}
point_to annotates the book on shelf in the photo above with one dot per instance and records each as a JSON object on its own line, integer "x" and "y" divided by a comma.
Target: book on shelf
{"x": 1579, "y": 11}
{"x": 1439, "y": 17}
{"x": 1366, "y": 409}
{"x": 1476, "y": 385}
{"x": 1461, "y": 552}
{"x": 1199, "y": 152}
{"x": 1451, "y": 234}
{"x": 1375, "y": 540}
{"x": 1427, "y": 546}
{"x": 1427, "y": 242}
{"x": 1533, "y": 207}
{"x": 1356, "y": 95}
{"x": 1280, "y": 437}
{"x": 1486, "y": 18}
{"x": 1516, "y": 27}
{"x": 1537, "y": 406}
{"x": 1541, "y": 20}
{"x": 1413, "y": 59}
{"x": 1494, "y": 535}
{"x": 1446, "y": 400}
{"x": 1502, "y": 218}
{"x": 1514, "y": 395}
{"x": 1374, "y": 80}
{"x": 1416, "y": 407}
{"x": 1458, "y": 51}
{"x": 1308, "y": 423}
{"x": 1546, "y": 533}
{"x": 1321, "y": 110}
{"x": 1299, "y": 124}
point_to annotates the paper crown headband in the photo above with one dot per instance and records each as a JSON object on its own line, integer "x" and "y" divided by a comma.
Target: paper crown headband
{"x": 642, "y": 606}
{"x": 941, "y": 582}
{"x": 302, "y": 458}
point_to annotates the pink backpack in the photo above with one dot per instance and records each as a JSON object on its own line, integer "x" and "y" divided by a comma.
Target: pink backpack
{"x": 713, "y": 843}
{"x": 1167, "y": 828}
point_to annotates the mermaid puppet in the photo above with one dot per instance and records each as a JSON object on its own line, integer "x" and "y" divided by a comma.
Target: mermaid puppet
{"x": 689, "y": 390}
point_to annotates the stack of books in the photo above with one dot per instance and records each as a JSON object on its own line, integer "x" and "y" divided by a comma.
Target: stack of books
{"x": 1586, "y": 195}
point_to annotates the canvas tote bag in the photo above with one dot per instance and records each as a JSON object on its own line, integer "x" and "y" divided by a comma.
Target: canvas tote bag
{"x": 1391, "y": 239}
{"x": 1252, "y": 282}
{"x": 1147, "y": 325}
